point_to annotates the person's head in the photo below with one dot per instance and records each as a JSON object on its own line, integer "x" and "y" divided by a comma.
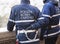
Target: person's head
{"x": 25, "y": 1}
{"x": 55, "y": 2}
{"x": 45, "y": 1}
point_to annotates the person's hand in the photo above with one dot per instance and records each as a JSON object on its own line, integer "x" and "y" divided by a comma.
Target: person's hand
{"x": 17, "y": 42}
{"x": 10, "y": 30}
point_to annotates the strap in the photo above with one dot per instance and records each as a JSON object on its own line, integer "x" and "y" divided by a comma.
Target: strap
{"x": 54, "y": 26}
{"x": 33, "y": 38}
{"x": 23, "y": 31}
{"x": 29, "y": 41}
{"x": 28, "y": 31}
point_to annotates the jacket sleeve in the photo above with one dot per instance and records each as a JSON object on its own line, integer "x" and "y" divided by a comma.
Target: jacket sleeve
{"x": 42, "y": 20}
{"x": 11, "y": 23}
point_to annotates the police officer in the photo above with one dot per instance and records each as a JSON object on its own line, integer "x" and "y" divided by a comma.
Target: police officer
{"x": 23, "y": 17}
{"x": 51, "y": 31}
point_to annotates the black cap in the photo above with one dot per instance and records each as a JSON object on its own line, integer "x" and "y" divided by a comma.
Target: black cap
{"x": 45, "y": 1}
{"x": 25, "y": 1}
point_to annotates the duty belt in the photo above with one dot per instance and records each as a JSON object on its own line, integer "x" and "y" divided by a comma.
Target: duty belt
{"x": 28, "y": 31}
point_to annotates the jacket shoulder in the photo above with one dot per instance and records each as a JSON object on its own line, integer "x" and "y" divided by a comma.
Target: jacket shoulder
{"x": 35, "y": 8}
{"x": 48, "y": 5}
{"x": 15, "y": 7}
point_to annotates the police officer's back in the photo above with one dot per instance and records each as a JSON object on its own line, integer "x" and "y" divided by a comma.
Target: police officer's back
{"x": 23, "y": 16}
{"x": 52, "y": 30}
